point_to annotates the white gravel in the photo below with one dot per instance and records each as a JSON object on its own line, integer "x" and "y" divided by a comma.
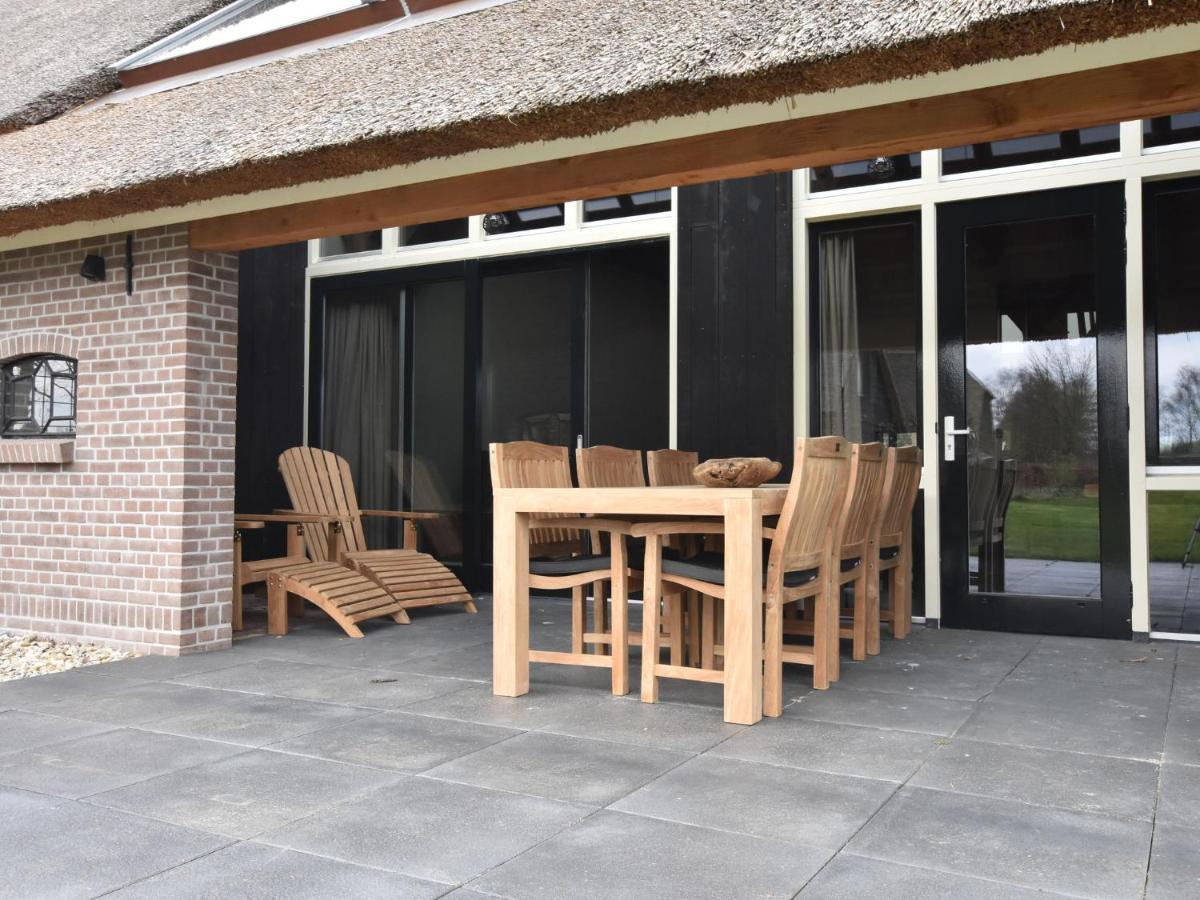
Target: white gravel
{"x": 26, "y": 655}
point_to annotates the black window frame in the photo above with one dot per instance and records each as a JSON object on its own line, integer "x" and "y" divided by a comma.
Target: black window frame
{"x": 8, "y": 379}
{"x": 1152, "y": 191}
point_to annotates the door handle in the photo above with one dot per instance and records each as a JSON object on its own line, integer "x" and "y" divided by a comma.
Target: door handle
{"x": 949, "y": 433}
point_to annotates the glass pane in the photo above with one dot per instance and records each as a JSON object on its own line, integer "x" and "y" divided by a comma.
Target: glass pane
{"x": 433, "y": 232}
{"x": 863, "y": 172}
{"x": 628, "y": 341}
{"x": 432, "y": 479}
{"x": 642, "y": 203}
{"x": 1175, "y": 306}
{"x": 868, "y": 326}
{"x": 254, "y": 19}
{"x": 524, "y": 219}
{"x": 1036, "y": 149}
{"x": 1171, "y": 129}
{"x": 1032, "y": 459}
{"x": 1174, "y": 552}
{"x": 364, "y": 242}
{"x": 362, "y": 409}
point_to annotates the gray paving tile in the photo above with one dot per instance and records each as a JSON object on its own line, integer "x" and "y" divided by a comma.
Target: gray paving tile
{"x": 137, "y": 704}
{"x": 668, "y": 726}
{"x": 1069, "y": 715}
{"x": 1179, "y": 796}
{"x": 614, "y": 855}
{"x": 405, "y": 743}
{"x": 247, "y": 794}
{"x": 929, "y": 675}
{"x": 851, "y": 877}
{"x": 376, "y": 688}
{"x": 44, "y": 693}
{"x": 1050, "y": 849}
{"x": 101, "y": 762}
{"x": 21, "y": 730}
{"x": 253, "y": 720}
{"x": 157, "y": 668}
{"x": 560, "y": 767}
{"x": 470, "y": 663}
{"x": 1182, "y": 743}
{"x": 1082, "y": 782}
{"x": 250, "y": 871}
{"x": 801, "y": 806}
{"x": 63, "y": 849}
{"x": 430, "y": 829}
{"x": 908, "y": 712}
{"x": 543, "y": 707}
{"x": 831, "y": 747}
{"x": 1174, "y": 864}
{"x": 1100, "y": 661}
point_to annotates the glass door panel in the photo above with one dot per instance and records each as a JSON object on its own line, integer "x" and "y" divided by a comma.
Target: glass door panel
{"x": 1033, "y": 443}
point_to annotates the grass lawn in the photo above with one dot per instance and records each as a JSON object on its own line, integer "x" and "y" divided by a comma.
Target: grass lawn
{"x": 1068, "y": 528}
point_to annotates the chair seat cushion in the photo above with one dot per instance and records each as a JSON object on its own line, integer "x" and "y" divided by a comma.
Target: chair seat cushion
{"x": 889, "y": 552}
{"x": 570, "y": 565}
{"x": 849, "y": 565}
{"x": 710, "y": 567}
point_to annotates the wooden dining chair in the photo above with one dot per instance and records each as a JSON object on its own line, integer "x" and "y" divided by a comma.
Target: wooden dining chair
{"x": 603, "y": 466}
{"x": 853, "y": 546}
{"x": 671, "y": 468}
{"x": 799, "y": 566}
{"x": 561, "y": 555}
{"x": 901, "y": 481}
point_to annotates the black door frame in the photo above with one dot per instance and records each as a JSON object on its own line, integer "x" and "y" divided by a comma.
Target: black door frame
{"x": 1111, "y": 615}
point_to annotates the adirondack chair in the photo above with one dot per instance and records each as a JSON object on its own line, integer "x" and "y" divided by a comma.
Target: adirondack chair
{"x": 319, "y": 483}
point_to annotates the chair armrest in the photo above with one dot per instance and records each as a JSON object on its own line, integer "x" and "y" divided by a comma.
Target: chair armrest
{"x": 280, "y": 515}
{"x": 587, "y": 524}
{"x": 686, "y": 527}
{"x": 399, "y": 514}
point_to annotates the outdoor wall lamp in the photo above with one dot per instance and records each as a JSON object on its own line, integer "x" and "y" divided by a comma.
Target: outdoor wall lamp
{"x": 92, "y": 268}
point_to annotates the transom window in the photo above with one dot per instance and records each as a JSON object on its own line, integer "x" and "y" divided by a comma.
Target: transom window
{"x": 38, "y": 397}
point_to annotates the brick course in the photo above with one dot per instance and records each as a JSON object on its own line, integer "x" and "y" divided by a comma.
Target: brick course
{"x": 127, "y": 541}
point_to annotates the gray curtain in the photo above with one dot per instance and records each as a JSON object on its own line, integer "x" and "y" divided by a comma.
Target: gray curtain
{"x": 362, "y": 400}
{"x": 840, "y": 364}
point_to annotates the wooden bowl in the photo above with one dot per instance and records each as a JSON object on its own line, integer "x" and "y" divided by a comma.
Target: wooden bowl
{"x": 738, "y": 471}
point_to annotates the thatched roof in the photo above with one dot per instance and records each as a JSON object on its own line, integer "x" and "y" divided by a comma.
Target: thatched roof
{"x": 523, "y": 71}
{"x": 56, "y": 54}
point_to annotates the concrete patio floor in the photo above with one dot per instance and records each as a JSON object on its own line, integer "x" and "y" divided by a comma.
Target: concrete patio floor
{"x": 956, "y": 764}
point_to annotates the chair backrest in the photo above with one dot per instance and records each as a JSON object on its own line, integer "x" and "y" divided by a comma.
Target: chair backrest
{"x": 604, "y": 466}
{"x": 861, "y": 507}
{"x": 810, "y": 516}
{"x": 901, "y": 481}
{"x": 319, "y": 483}
{"x": 672, "y": 468}
{"x": 528, "y": 464}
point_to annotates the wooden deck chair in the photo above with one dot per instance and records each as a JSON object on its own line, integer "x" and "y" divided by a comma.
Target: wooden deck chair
{"x": 604, "y": 466}
{"x": 799, "y": 566}
{"x": 901, "y": 481}
{"x": 671, "y": 468}
{"x": 854, "y": 544}
{"x": 560, "y": 556}
{"x": 319, "y": 482}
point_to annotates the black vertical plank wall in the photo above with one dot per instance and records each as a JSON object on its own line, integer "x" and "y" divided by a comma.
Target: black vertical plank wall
{"x": 270, "y": 401}
{"x": 735, "y": 318}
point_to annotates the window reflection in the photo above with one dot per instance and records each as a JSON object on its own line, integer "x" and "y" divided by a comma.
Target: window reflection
{"x": 1035, "y": 149}
{"x": 864, "y": 172}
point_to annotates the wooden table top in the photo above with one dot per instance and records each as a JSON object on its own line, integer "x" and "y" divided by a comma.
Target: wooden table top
{"x": 679, "y": 501}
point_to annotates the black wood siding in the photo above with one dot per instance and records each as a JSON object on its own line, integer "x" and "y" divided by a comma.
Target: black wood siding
{"x": 270, "y": 399}
{"x": 735, "y": 318}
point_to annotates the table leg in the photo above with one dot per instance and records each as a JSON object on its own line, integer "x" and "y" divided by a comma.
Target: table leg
{"x": 743, "y": 612}
{"x": 620, "y": 617}
{"x": 510, "y": 601}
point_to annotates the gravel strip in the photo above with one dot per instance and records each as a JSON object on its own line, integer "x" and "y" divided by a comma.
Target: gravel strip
{"x": 26, "y": 655}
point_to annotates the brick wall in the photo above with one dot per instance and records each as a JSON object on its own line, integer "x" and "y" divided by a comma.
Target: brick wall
{"x": 127, "y": 540}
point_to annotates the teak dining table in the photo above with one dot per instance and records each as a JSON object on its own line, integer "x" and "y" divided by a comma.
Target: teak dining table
{"x": 742, "y": 509}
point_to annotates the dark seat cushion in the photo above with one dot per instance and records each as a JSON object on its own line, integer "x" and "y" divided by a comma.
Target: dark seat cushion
{"x": 710, "y": 567}
{"x": 889, "y": 552}
{"x": 570, "y": 565}
{"x": 849, "y": 565}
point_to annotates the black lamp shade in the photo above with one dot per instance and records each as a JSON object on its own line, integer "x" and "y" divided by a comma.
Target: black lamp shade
{"x": 92, "y": 268}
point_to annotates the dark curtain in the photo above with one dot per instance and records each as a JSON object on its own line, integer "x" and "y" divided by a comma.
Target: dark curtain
{"x": 362, "y": 400}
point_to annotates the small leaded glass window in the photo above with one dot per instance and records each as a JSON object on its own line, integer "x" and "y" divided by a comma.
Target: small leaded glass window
{"x": 37, "y": 397}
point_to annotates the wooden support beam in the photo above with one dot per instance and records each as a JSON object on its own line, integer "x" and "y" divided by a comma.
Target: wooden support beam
{"x": 1128, "y": 91}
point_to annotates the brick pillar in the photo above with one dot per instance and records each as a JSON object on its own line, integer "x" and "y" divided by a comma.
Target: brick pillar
{"x": 127, "y": 540}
